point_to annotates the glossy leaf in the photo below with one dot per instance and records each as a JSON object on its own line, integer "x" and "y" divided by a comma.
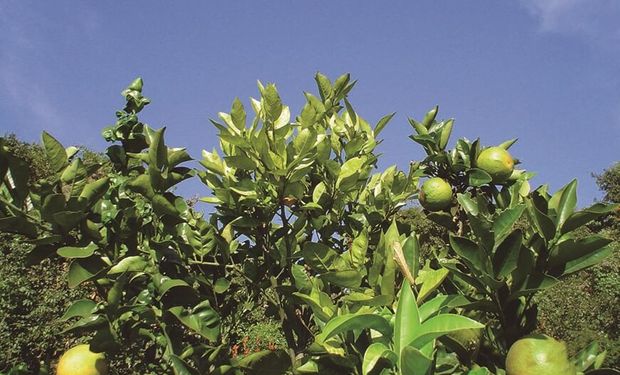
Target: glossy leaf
{"x": 567, "y": 203}
{"x": 478, "y": 177}
{"x": 503, "y": 223}
{"x": 579, "y": 218}
{"x": 85, "y": 269}
{"x": 134, "y": 263}
{"x": 407, "y": 319}
{"x": 470, "y": 252}
{"x": 55, "y": 152}
{"x": 354, "y": 322}
{"x": 77, "y": 252}
{"x": 266, "y": 362}
{"x": 201, "y": 319}
{"x": 574, "y": 249}
{"x": 382, "y": 123}
{"x": 414, "y": 362}
{"x": 80, "y": 308}
{"x": 440, "y": 325}
{"x": 506, "y": 256}
{"x": 432, "y": 280}
{"x": 374, "y": 354}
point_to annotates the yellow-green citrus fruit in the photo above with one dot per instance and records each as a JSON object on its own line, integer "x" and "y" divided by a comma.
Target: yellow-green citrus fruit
{"x": 497, "y": 162}
{"x": 435, "y": 194}
{"x": 538, "y": 355}
{"x": 79, "y": 360}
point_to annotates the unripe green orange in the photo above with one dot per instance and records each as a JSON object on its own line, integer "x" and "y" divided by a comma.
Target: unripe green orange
{"x": 79, "y": 360}
{"x": 497, "y": 162}
{"x": 435, "y": 194}
{"x": 538, "y": 355}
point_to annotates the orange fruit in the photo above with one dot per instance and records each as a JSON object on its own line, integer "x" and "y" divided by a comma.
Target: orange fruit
{"x": 79, "y": 360}
{"x": 435, "y": 194}
{"x": 497, "y": 162}
{"x": 538, "y": 355}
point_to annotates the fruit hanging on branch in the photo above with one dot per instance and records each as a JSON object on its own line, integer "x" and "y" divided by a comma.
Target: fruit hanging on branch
{"x": 497, "y": 162}
{"x": 538, "y": 355}
{"x": 436, "y": 194}
{"x": 79, "y": 360}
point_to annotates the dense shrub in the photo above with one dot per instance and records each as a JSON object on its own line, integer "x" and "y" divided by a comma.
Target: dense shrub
{"x": 586, "y": 307}
{"x": 31, "y": 300}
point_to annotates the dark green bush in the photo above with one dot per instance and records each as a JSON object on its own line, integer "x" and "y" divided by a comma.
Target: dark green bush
{"x": 31, "y": 301}
{"x": 586, "y": 307}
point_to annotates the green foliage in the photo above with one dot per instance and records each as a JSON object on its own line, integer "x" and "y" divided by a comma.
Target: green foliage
{"x": 304, "y": 233}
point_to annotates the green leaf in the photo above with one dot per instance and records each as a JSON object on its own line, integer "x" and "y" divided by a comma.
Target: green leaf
{"x": 77, "y": 252}
{"x": 542, "y": 223}
{"x": 179, "y": 366}
{"x": 506, "y": 256}
{"x": 240, "y": 162}
{"x": 586, "y": 357}
{"x": 158, "y": 153}
{"x": 94, "y": 191}
{"x": 318, "y": 256}
{"x": 343, "y": 278}
{"x": 162, "y": 206}
{"x": 325, "y": 86}
{"x": 221, "y": 285}
{"x": 75, "y": 171}
{"x": 568, "y": 201}
{"x": 55, "y": 151}
{"x": 237, "y": 114}
{"x": 84, "y": 269}
{"x": 586, "y": 261}
{"x": 439, "y": 303}
{"x": 359, "y": 248}
{"x": 407, "y": 319}
{"x": 411, "y": 252}
{"x": 471, "y": 253}
{"x": 266, "y": 362}
{"x": 502, "y": 225}
{"x": 81, "y": 308}
{"x": 201, "y": 319}
{"x": 478, "y": 177}
{"x": 18, "y": 224}
{"x": 374, "y": 354}
{"x": 506, "y": 145}
{"x": 141, "y": 184}
{"x": 572, "y": 249}
{"x": 440, "y": 325}
{"x": 320, "y": 310}
{"x": 579, "y": 218}
{"x": 302, "y": 280}
{"x": 432, "y": 280}
{"x": 382, "y": 123}
{"x": 271, "y": 103}
{"x": 134, "y": 263}
{"x": 354, "y": 322}
{"x": 349, "y": 173}
{"x": 413, "y": 362}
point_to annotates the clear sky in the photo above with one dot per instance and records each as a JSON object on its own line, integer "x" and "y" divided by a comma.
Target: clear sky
{"x": 545, "y": 71}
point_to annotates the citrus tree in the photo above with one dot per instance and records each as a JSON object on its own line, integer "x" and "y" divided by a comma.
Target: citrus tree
{"x": 302, "y": 226}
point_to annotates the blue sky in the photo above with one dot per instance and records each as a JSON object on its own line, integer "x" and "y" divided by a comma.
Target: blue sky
{"x": 545, "y": 71}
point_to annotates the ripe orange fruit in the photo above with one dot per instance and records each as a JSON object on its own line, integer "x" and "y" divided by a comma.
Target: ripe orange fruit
{"x": 497, "y": 162}
{"x": 79, "y": 360}
{"x": 538, "y": 355}
{"x": 435, "y": 194}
